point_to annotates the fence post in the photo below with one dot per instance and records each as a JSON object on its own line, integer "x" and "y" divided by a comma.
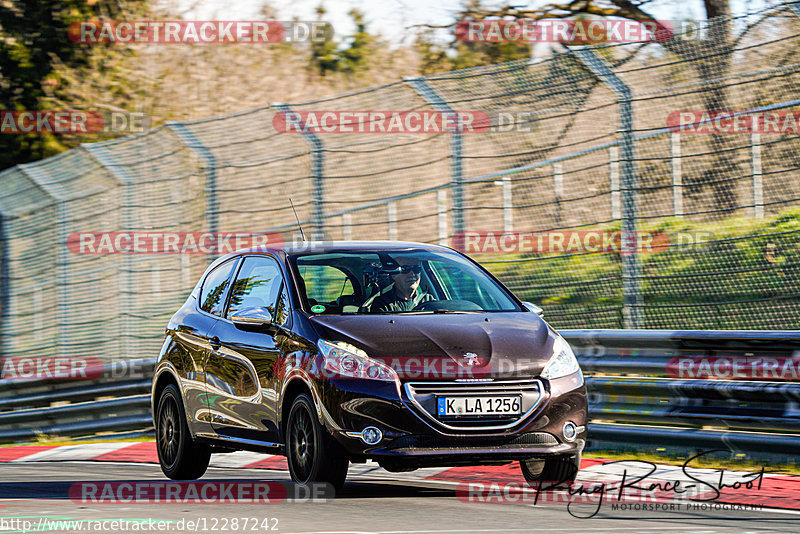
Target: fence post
{"x": 391, "y": 213}
{"x": 630, "y": 259}
{"x": 347, "y": 230}
{"x": 613, "y": 176}
{"x": 558, "y": 189}
{"x": 677, "y": 177}
{"x": 441, "y": 209}
{"x": 209, "y": 162}
{"x": 758, "y": 182}
{"x": 102, "y": 155}
{"x": 558, "y": 181}
{"x": 317, "y": 176}
{"x": 185, "y": 271}
{"x": 421, "y": 86}
{"x": 508, "y": 204}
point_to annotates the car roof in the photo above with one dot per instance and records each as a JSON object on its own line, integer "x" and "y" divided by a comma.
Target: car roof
{"x": 323, "y": 247}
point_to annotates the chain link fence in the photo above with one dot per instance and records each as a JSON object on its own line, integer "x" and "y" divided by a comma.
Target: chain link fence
{"x": 580, "y": 148}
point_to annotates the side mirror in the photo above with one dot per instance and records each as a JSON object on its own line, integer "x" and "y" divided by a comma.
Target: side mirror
{"x": 534, "y": 308}
{"x": 249, "y": 318}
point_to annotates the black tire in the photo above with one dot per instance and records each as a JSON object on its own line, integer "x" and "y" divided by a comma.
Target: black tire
{"x": 552, "y": 470}
{"x": 312, "y": 457}
{"x": 181, "y": 458}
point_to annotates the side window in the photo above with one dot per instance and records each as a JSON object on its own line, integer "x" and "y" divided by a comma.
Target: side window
{"x": 281, "y": 313}
{"x": 212, "y": 295}
{"x": 260, "y": 284}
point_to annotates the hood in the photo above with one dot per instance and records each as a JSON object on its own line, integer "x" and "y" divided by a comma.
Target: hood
{"x": 485, "y": 344}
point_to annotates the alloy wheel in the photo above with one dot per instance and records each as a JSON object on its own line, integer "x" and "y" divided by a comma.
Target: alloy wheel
{"x": 302, "y": 443}
{"x": 169, "y": 431}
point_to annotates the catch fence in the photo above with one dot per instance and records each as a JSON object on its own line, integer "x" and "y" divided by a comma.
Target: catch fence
{"x": 581, "y": 148}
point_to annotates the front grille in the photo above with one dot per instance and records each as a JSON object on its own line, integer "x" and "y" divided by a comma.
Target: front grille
{"x": 434, "y": 442}
{"x": 423, "y": 395}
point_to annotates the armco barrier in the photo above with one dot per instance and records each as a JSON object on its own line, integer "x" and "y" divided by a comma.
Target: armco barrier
{"x": 104, "y": 403}
{"x": 770, "y": 355}
{"x": 635, "y": 402}
{"x": 731, "y": 390}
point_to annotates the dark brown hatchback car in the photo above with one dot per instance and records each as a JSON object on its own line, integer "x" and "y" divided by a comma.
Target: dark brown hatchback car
{"x": 407, "y": 354}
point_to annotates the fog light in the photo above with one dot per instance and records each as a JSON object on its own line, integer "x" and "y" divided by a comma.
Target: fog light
{"x": 570, "y": 431}
{"x": 371, "y": 435}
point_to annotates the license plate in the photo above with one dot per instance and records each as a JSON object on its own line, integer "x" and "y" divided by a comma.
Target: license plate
{"x": 472, "y": 406}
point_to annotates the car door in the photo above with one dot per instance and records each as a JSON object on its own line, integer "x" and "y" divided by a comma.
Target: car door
{"x": 240, "y": 370}
{"x": 193, "y": 336}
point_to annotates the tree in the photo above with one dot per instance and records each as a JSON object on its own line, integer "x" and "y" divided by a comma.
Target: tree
{"x": 324, "y": 56}
{"x": 464, "y": 55}
{"x": 36, "y": 57}
{"x": 710, "y": 57}
{"x": 327, "y": 57}
{"x": 362, "y": 45}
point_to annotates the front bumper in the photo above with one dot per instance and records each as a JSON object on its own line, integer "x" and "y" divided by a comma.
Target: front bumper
{"x": 415, "y": 438}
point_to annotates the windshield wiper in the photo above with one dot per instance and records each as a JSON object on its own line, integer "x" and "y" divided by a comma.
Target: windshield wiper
{"x": 421, "y": 312}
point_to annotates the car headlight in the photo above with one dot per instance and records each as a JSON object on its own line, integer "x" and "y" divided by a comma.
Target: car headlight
{"x": 563, "y": 361}
{"x": 345, "y": 360}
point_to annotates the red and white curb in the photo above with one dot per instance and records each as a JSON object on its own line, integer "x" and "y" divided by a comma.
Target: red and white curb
{"x": 776, "y": 491}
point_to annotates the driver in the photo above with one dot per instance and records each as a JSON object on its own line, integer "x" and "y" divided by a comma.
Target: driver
{"x": 405, "y": 295}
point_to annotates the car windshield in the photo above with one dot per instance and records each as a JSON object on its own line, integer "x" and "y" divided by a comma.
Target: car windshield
{"x": 413, "y": 281}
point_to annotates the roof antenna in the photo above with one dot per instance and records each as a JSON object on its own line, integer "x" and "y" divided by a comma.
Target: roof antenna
{"x": 302, "y": 234}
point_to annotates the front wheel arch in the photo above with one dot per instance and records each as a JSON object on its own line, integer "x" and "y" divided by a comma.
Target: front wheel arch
{"x": 295, "y": 388}
{"x": 312, "y": 456}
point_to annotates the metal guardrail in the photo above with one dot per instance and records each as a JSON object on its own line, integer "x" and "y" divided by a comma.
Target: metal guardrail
{"x": 657, "y": 352}
{"x": 73, "y": 394}
{"x": 645, "y": 410}
{"x": 714, "y": 340}
{"x": 755, "y": 446}
{"x": 725, "y": 405}
{"x": 102, "y": 403}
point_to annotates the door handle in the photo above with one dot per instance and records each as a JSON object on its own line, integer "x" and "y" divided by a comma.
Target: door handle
{"x": 215, "y": 343}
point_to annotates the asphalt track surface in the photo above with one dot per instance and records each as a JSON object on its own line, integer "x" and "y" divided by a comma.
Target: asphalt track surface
{"x": 368, "y": 504}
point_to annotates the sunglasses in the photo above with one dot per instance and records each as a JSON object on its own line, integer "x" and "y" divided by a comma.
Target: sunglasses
{"x": 406, "y": 269}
